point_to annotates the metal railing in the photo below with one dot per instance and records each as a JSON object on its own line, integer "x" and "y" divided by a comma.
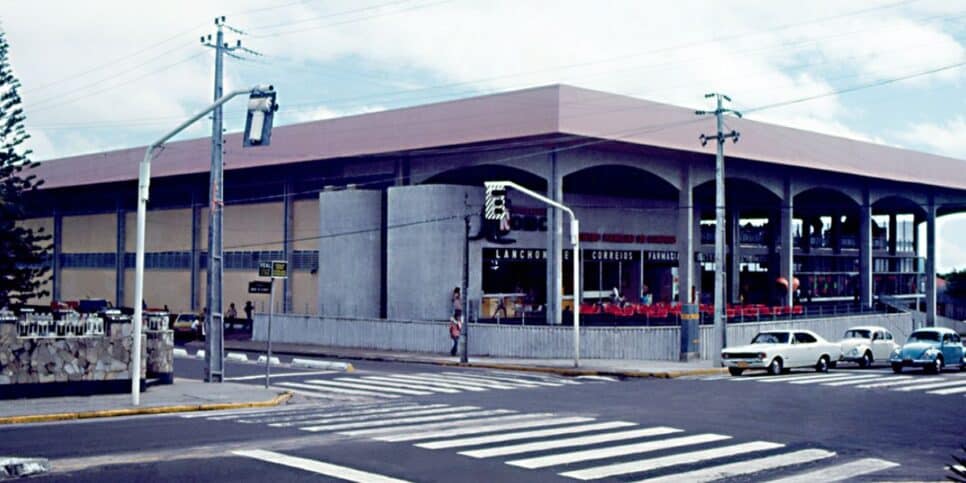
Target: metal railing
{"x": 65, "y": 325}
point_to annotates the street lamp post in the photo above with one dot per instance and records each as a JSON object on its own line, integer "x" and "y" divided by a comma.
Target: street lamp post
{"x": 144, "y": 183}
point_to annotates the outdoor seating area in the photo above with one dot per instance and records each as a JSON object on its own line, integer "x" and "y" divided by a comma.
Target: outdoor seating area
{"x": 607, "y": 314}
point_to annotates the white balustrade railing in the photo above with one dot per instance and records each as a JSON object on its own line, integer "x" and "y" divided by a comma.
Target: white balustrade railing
{"x": 68, "y": 324}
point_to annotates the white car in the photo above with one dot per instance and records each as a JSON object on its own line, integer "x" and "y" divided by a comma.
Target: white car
{"x": 867, "y": 344}
{"x": 777, "y": 350}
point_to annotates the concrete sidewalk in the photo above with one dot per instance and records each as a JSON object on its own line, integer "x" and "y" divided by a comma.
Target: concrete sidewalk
{"x": 183, "y": 395}
{"x": 602, "y": 367}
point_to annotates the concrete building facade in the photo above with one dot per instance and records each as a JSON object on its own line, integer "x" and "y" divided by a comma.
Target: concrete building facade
{"x": 370, "y": 211}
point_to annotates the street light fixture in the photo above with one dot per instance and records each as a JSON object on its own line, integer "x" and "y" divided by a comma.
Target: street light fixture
{"x": 262, "y": 108}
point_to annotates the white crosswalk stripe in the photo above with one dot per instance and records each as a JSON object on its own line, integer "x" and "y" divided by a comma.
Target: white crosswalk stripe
{"x": 651, "y": 464}
{"x": 319, "y": 467}
{"x": 512, "y": 380}
{"x": 614, "y": 451}
{"x": 741, "y": 468}
{"x": 841, "y": 472}
{"x": 488, "y": 428}
{"x": 568, "y": 443}
{"x": 365, "y": 387}
{"x": 542, "y": 441}
{"x": 317, "y": 390}
{"x": 499, "y": 438}
{"x": 945, "y": 384}
{"x": 364, "y": 416}
{"x": 380, "y": 381}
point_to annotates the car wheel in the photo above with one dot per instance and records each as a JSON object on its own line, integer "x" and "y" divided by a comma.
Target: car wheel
{"x": 897, "y": 368}
{"x": 735, "y": 371}
{"x": 822, "y": 364}
{"x": 865, "y": 361}
{"x": 775, "y": 368}
{"x": 936, "y": 367}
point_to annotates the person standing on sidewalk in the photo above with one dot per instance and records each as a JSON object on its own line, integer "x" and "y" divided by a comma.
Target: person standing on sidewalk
{"x": 455, "y": 329}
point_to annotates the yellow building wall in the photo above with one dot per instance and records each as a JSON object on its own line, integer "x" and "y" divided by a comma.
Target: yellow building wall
{"x": 305, "y": 296}
{"x": 234, "y": 289}
{"x": 305, "y": 229}
{"x": 89, "y": 234}
{"x": 250, "y": 227}
{"x": 166, "y": 231}
{"x": 47, "y": 224}
{"x": 171, "y": 287}
{"x": 87, "y": 283}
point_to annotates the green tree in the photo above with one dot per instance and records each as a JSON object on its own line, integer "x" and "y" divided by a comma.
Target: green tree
{"x": 23, "y": 251}
{"x": 956, "y": 283}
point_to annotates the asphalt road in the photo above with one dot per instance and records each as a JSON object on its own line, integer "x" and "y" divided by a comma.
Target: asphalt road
{"x": 865, "y": 425}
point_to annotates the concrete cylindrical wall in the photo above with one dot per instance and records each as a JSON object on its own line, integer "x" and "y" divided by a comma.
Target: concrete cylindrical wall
{"x": 350, "y": 246}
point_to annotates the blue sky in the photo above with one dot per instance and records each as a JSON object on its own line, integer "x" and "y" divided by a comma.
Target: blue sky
{"x": 120, "y": 74}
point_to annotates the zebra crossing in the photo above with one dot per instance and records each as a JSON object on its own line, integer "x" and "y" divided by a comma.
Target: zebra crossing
{"x": 576, "y": 446}
{"x": 945, "y": 384}
{"x": 401, "y": 385}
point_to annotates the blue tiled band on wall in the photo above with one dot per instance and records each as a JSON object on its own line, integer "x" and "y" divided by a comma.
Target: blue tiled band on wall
{"x": 235, "y": 260}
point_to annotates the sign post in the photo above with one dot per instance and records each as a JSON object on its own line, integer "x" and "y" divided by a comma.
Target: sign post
{"x": 272, "y": 270}
{"x": 495, "y": 208}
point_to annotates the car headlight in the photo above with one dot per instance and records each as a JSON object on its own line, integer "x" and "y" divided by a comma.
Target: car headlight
{"x": 895, "y": 353}
{"x": 762, "y": 356}
{"x": 854, "y": 351}
{"x": 930, "y": 353}
{"x": 724, "y": 355}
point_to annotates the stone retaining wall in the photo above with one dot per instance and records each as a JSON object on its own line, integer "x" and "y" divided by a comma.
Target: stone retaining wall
{"x": 43, "y": 366}
{"x": 160, "y": 355}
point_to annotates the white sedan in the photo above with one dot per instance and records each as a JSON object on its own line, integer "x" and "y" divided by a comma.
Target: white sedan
{"x": 777, "y": 350}
{"x": 866, "y": 345}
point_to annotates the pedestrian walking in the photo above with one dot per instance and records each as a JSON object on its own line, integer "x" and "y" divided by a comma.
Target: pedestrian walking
{"x": 455, "y": 329}
{"x": 457, "y": 304}
{"x": 249, "y": 308}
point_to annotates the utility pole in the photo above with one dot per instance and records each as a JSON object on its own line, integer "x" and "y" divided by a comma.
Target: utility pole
{"x": 720, "y": 329}
{"x": 214, "y": 316}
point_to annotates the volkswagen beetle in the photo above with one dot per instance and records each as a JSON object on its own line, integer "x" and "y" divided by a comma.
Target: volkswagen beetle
{"x": 932, "y": 349}
{"x": 867, "y": 344}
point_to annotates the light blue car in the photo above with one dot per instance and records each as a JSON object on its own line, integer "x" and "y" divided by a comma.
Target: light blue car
{"x": 931, "y": 349}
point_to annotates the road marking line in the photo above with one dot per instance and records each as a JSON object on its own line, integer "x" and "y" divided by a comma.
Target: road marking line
{"x": 797, "y": 377}
{"x": 314, "y": 466}
{"x": 275, "y": 376}
{"x": 857, "y": 380}
{"x": 817, "y": 380}
{"x": 435, "y": 382}
{"x": 370, "y": 417}
{"x": 485, "y": 429}
{"x": 214, "y": 414}
{"x": 714, "y": 378}
{"x": 743, "y": 467}
{"x": 892, "y": 381}
{"x": 471, "y": 382}
{"x": 317, "y": 390}
{"x": 840, "y": 472}
{"x": 579, "y": 441}
{"x": 373, "y": 433}
{"x": 388, "y": 382}
{"x": 504, "y": 380}
{"x": 944, "y": 392}
{"x": 318, "y": 395}
{"x": 672, "y": 460}
{"x": 498, "y": 438}
{"x": 612, "y": 451}
{"x": 935, "y": 385}
{"x": 365, "y": 387}
{"x": 418, "y": 419}
{"x": 271, "y": 418}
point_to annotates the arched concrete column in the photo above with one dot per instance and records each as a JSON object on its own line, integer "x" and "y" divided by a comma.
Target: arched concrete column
{"x": 931, "y": 262}
{"x": 570, "y": 162}
{"x": 554, "y": 243}
{"x": 685, "y": 236}
{"x": 786, "y": 262}
{"x": 865, "y": 250}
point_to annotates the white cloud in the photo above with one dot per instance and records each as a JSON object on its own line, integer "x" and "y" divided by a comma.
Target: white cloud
{"x": 944, "y": 137}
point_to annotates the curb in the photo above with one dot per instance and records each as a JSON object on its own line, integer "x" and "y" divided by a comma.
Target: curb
{"x": 114, "y": 413}
{"x": 563, "y": 371}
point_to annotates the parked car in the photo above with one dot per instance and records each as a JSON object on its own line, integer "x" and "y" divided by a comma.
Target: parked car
{"x": 189, "y": 324}
{"x": 866, "y": 345}
{"x": 777, "y": 350}
{"x": 931, "y": 349}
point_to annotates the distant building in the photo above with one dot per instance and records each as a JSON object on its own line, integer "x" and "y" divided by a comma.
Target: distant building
{"x": 369, "y": 210}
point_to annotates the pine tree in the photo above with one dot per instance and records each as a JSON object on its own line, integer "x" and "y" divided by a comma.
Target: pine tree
{"x": 23, "y": 251}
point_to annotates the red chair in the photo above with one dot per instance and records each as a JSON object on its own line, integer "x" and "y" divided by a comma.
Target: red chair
{"x": 613, "y": 309}
{"x": 642, "y": 309}
{"x": 589, "y": 309}
{"x": 778, "y": 310}
{"x": 731, "y": 312}
{"x": 749, "y": 312}
{"x": 628, "y": 311}
{"x": 798, "y": 310}
{"x": 764, "y": 310}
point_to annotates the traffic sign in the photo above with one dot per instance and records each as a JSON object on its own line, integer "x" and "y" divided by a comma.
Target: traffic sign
{"x": 259, "y": 286}
{"x": 273, "y": 269}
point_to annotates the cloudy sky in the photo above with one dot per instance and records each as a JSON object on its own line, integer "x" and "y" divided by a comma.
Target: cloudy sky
{"x": 109, "y": 74}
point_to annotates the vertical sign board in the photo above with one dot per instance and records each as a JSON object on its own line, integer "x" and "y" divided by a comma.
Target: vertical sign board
{"x": 272, "y": 270}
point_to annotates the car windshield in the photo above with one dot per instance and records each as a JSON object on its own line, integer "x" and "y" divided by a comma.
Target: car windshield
{"x": 188, "y": 317}
{"x": 771, "y": 338}
{"x": 924, "y": 336}
{"x": 857, "y": 334}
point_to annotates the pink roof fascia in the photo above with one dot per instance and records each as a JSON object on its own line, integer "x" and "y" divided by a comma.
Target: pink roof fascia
{"x": 530, "y": 112}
